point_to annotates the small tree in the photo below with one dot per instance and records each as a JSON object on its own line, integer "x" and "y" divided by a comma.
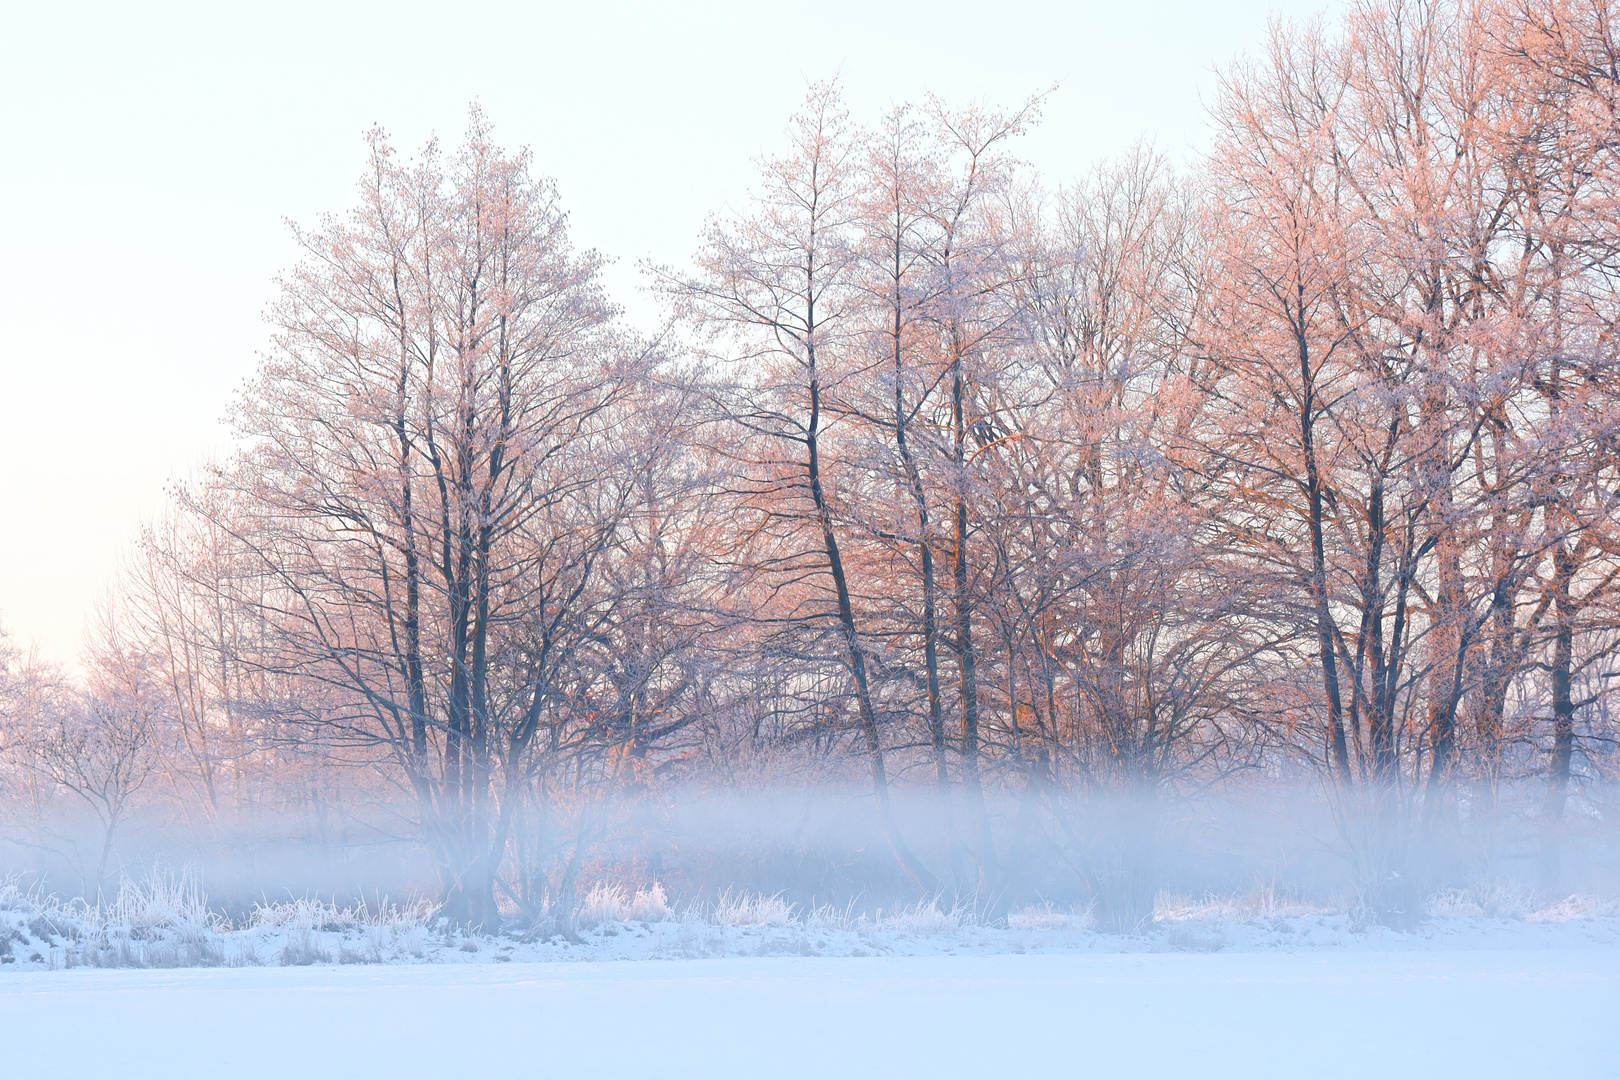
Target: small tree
{"x": 97, "y": 746}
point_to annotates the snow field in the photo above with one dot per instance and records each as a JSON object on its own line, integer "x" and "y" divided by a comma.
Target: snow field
{"x": 1490, "y": 1013}
{"x": 1493, "y": 983}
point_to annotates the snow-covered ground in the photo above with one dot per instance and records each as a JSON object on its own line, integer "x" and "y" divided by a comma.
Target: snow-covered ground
{"x": 1491, "y": 984}
{"x": 1327, "y": 1013}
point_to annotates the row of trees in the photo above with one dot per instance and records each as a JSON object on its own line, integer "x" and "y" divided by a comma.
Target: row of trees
{"x": 1044, "y": 508}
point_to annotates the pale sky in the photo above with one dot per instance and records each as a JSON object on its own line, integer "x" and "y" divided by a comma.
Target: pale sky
{"x": 148, "y": 160}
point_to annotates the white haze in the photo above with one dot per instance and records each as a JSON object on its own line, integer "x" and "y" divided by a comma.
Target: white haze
{"x": 1268, "y": 845}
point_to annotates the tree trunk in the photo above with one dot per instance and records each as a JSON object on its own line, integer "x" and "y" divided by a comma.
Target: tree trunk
{"x": 855, "y": 655}
{"x": 1550, "y": 857}
{"x": 965, "y": 651}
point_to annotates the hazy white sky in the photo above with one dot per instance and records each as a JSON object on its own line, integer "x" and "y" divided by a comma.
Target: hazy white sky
{"x": 149, "y": 156}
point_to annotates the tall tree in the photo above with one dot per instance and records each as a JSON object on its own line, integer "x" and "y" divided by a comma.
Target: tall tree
{"x": 774, "y": 293}
{"x": 422, "y": 479}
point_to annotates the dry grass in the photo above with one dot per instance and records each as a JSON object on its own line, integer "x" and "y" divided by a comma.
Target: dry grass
{"x": 1049, "y": 917}
{"x": 1260, "y": 902}
{"x": 163, "y": 920}
{"x": 607, "y": 903}
{"x": 750, "y": 909}
{"x": 924, "y": 918}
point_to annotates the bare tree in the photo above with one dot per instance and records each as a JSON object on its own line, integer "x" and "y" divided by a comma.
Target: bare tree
{"x": 775, "y": 295}
{"x": 422, "y": 482}
{"x": 97, "y": 747}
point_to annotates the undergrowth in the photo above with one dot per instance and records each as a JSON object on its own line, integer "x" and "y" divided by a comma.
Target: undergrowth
{"x": 164, "y": 921}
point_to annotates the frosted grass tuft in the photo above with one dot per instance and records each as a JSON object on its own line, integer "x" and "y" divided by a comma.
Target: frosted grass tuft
{"x": 607, "y": 902}
{"x": 1049, "y": 917}
{"x": 751, "y": 909}
{"x": 925, "y": 917}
